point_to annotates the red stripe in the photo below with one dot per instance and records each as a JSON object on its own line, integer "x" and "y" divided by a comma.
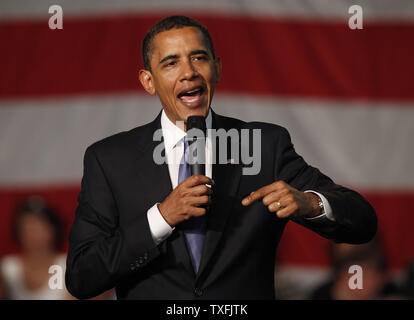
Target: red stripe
{"x": 260, "y": 56}
{"x": 299, "y": 246}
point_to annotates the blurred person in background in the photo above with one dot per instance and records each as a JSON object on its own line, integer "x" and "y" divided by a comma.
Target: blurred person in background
{"x": 375, "y": 282}
{"x": 38, "y": 232}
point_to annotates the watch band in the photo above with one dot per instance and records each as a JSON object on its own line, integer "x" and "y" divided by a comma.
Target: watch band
{"x": 321, "y": 206}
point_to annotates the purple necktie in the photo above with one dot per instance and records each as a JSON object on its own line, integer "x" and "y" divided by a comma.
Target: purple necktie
{"x": 194, "y": 228}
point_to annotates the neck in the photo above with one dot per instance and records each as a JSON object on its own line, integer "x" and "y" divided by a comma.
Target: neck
{"x": 182, "y": 124}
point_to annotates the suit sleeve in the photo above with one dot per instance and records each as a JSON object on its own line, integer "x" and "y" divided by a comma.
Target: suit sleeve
{"x": 355, "y": 219}
{"x": 101, "y": 254}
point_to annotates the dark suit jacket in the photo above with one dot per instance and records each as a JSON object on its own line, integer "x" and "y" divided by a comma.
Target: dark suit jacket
{"x": 110, "y": 243}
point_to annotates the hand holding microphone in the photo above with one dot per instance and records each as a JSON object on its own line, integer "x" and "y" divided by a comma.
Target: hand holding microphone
{"x": 191, "y": 197}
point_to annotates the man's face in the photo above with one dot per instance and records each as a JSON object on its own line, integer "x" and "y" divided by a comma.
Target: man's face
{"x": 183, "y": 73}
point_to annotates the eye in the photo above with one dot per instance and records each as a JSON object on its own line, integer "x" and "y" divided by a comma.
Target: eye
{"x": 197, "y": 58}
{"x": 171, "y": 63}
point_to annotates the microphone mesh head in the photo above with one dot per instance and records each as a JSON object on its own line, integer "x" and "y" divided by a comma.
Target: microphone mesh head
{"x": 198, "y": 122}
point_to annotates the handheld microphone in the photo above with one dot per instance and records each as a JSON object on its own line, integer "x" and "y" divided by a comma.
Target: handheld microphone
{"x": 196, "y": 136}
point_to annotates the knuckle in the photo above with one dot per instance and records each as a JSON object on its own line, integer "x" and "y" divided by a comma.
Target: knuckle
{"x": 278, "y": 184}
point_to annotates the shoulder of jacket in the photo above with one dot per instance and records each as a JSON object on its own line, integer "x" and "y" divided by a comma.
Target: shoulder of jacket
{"x": 121, "y": 140}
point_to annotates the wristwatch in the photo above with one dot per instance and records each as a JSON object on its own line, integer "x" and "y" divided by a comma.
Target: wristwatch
{"x": 320, "y": 205}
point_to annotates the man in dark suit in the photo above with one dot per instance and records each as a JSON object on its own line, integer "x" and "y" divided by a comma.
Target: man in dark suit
{"x": 155, "y": 232}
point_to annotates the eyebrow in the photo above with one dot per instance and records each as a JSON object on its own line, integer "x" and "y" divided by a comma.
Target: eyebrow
{"x": 200, "y": 51}
{"x": 171, "y": 56}
{"x": 175, "y": 56}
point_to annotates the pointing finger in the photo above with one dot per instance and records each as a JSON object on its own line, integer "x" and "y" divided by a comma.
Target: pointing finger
{"x": 262, "y": 192}
{"x": 255, "y": 195}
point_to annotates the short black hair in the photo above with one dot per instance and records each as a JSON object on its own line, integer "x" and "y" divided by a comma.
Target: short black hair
{"x": 37, "y": 205}
{"x": 172, "y": 22}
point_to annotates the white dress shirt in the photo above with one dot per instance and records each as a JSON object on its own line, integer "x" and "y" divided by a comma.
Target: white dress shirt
{"x": 174, "y": 149}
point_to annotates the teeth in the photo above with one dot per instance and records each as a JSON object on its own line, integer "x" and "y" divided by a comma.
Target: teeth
{"x": 192, "y": 100}
{"x": 195, "y": 90}
{"x": 192, "y": 91}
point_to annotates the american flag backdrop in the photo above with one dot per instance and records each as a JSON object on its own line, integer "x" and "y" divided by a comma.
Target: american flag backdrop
{"x": 346, "y": 96}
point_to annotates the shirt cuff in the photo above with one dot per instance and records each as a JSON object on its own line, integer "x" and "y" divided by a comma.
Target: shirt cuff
{"x": 326, "y": 208}
{"x": 160, "y": 229}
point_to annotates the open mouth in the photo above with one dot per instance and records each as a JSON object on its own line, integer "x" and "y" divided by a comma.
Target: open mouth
{"x": 192, "y": 97}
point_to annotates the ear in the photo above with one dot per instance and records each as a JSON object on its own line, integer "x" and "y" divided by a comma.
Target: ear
{"x": 217, "y": 66}
{"x": 145, "y": 77}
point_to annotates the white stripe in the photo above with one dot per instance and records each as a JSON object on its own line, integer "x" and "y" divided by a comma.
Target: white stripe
{"x": 309, "y": 9}
{"x": 43, "y": 141}
{"x": 360, "y": 144}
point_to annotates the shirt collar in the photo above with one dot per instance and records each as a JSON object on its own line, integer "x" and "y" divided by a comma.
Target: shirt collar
{"x": 173, "y": 134}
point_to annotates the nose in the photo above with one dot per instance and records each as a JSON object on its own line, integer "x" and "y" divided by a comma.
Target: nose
{"x": 189, "y": 72}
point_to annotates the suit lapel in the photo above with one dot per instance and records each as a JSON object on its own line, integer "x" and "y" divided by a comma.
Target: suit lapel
{"x": 226, "y": 177}
{"x": 152, "y": 171}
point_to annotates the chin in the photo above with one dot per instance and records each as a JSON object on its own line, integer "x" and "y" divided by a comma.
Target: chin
{"x": 196, "y": 112}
